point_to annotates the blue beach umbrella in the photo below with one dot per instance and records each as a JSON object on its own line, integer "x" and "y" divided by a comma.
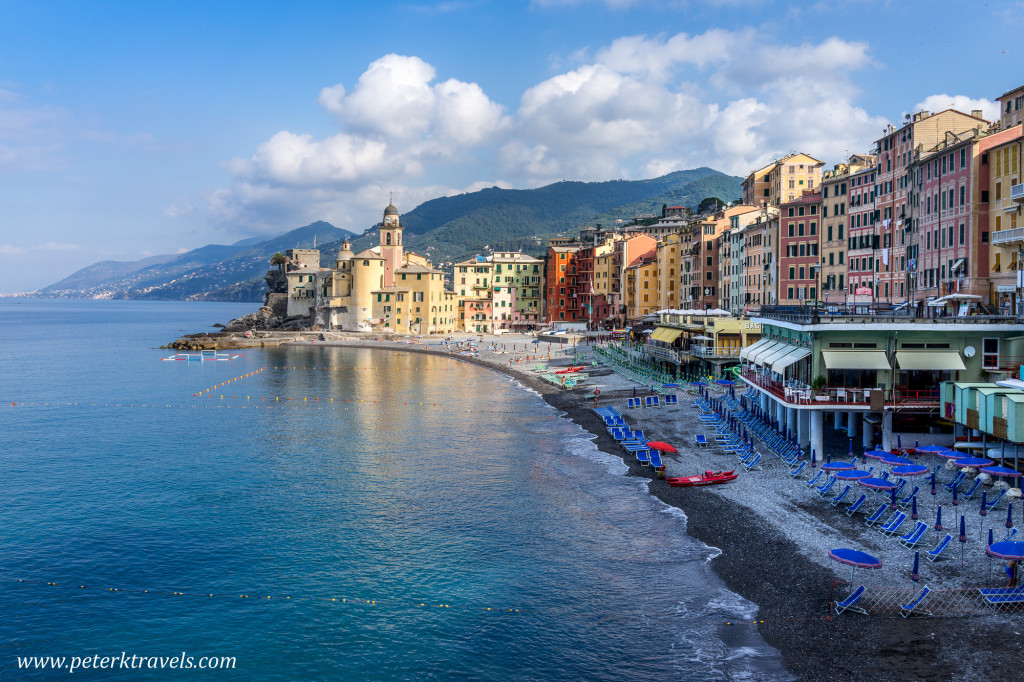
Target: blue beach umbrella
{"x": 892, "y": 497}
{"x": 955, "y": 503}
{"x": 984, "y": 504}
{"x": 989, "y": 536}
{"x": 914, "y": 574}
{"x": 814, "y": 459}
{"x": 938, "y": 519}
{"x": 933, "y": 483}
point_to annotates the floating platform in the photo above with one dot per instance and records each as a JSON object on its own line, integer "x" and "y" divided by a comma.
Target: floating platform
{"x": 203, "y": 356}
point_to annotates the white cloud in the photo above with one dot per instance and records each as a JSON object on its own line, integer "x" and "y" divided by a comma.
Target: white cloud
{"x": 937, "y": 103}
{"x": 638, "y": 107}
{"x": 55, "y": 246}
{"x": 11, "y": 250}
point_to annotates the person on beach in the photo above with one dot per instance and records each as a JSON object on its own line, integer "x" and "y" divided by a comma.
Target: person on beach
{"x": 1011, "y": 573}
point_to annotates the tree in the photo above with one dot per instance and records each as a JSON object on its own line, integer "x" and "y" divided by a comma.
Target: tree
{"x": 279, "y": 260}
{"x": 710, "y": 205}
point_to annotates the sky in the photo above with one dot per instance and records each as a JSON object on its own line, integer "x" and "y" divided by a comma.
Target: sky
{"x": 129, "y": 129}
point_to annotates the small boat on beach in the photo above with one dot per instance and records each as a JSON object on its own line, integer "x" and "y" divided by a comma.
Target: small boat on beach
{"x": 707, "y": 478}
{"x": 570, "y": 370}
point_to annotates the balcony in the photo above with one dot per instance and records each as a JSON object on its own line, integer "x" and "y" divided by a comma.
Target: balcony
{"x": 1017, "y": 193}
{"x": 1010, "y": 236}
{"x": 900, "y": 398}
{"x": 666, "y": 354}
{"x": 721, "y": 352}
{"x": 870, "y": 313}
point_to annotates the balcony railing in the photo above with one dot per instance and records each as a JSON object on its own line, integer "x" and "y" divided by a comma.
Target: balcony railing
{"x": 896, "y": 398}
{"x": 667, "y": 354}
{"x": 1014, "y": 234}
{"x": 1017, "y": 193}
{"x": 714, "y": 351}
{"x": 859, "y": 314}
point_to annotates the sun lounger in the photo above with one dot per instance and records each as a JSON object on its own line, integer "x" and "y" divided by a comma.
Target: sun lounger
{"x": 701, "y": 440}
{"x": 837, "y": 500}
{"x": 1002, "y": 595}
{"x": 970, "y": 491}
{"x": 632, "y": 403}
{"x": 644, "y": 457}
{"x": 933, "y": 554}
{"x": 899, "y": 487}
{"x": 656, "y": 459}
{"x": 814, "y": 480}
{"x": 912, "y": 607}
{"x": 1010, "y": 534}
{"x": 911, "y": 539}
{"x": 848, "y": 603}
{"x": 827, "y": 486}
{"x": 795, "y": 473}
{"x": 855, "y": 507}
{"x": 992, "y": 505}
{"x": 905, "y": 500}
{"x": 877, "y": 516}
{"x": 956, "y": 481}
{"x": 753, "y": 462}
{"x": 893, "y": 524}
{"x": 671, "y": 399}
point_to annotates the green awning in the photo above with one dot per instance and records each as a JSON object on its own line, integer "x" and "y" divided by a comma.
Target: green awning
{"x": 948, "y": 360}
{"x": 855, "y": 359}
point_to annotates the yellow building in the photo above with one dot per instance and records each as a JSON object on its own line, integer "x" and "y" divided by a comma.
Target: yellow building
{"x": 782, "y": 180}
{"x": 668, "y": 253}
{"x": 383, "y": 288}
{"x": 1006, "y": 223}
{"x": 641, "y": 288}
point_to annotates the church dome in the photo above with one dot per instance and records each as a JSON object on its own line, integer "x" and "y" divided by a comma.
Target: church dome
{"x": 391, "y": 210}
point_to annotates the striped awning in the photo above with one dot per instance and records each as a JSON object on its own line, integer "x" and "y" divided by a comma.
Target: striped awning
{"x": 745, "y": 353}
{"x": 758, "y": 356}
{"x": 790, "y": 358}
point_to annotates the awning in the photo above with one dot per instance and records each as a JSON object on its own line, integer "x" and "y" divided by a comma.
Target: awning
{"x": 794, "y": 356}
{"x": 745, "y": 353}
{"x": 855, "y": 359}
{"x": 758, "y": 356}
{"x": 948, "y": 360}
{"x": 666, "y": 334}
{"x": 768, "y": 358}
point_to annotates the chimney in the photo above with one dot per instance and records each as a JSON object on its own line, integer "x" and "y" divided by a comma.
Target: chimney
{"x": 976, "y": 113}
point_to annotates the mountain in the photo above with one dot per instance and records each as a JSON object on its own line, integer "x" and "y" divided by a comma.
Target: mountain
{"x": 214, "y": 272}
{"x": 445, "y": 230}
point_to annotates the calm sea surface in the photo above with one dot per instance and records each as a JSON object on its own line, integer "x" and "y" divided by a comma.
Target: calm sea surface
{"x": 433, "y": 489}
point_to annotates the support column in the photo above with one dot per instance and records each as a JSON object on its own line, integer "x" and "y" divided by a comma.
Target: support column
{"x": 868, "y": 428}
{"x": 840, "y": 417}
{"x": 888, "y": 442}
{"x": 791, "y": 419}
{"x": 804, "y": 427}
{"x": 780, "y": 415}
{"x": 851, "y": 424}
{"x": 817, "y": 434}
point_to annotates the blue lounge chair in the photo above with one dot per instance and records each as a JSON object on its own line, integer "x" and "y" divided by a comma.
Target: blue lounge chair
{"x": 956, "y": 481}
{"x": 877, "y": 516}
{"x": 992, "y": 505}
{"x": 893, "y": 524}
{"x": 644, "y": 457}
{"x": 1002, "y": 595}
{"x": 796, "y": 472}
{"x": 933, "y": 554}
{"x": 1010, "y": 534}
{"x": 814, "y": 480}
{"x": 911, "y": 539}
{"x": 899, "y": 486}
{"x": 631, "y": 403}
{"x": 671, "y": 399}
{"x": 752, "y": 463}
{"x": 837, "y": 500}
{"x": 905, "y": 500}
{"x": 827, "y": 486}
{"x": 973, "y": 489}
{"x": 848, "y": 603}
{"x": 655, "y": 459}
{"x": 649, "y": 401}
{"x": 855, "y": 507}
{"x": 701, "y": 440}
{"x": 907, "y": 609}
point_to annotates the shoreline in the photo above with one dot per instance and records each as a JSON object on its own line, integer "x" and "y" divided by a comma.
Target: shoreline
{"x": 766, "y": 567}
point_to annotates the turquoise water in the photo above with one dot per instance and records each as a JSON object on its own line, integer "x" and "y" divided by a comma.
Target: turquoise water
{"x": 115, "y": 475}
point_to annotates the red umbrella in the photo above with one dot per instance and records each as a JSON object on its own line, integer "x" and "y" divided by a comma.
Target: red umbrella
{"x": 660, "y": 446}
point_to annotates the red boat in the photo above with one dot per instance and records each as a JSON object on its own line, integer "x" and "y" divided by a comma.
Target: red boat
{"x": 707, "y": 478}
{"x": 570, "y": 370}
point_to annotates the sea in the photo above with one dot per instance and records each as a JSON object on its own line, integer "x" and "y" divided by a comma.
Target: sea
{"x": 315, "y": 513}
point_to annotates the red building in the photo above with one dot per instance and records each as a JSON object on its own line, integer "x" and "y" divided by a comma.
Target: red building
{"x": 799, "y": 240}
{"x": 561, "y": 285}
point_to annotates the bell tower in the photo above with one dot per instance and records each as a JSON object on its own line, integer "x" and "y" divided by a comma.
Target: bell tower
{"x": 391, "y": 244}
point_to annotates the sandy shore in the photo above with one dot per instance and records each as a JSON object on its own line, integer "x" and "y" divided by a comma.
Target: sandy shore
{"x": 774, "y": 534}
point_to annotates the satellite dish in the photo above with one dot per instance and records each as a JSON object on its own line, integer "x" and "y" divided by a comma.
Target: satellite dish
{"x": 969, "y": 352}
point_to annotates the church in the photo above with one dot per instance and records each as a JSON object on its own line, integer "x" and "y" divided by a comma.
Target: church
{"x": 381, "y": 289}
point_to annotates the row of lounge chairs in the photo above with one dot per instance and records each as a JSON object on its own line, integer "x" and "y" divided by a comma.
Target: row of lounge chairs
{"x": 652, "y": 401}
{"x": 724, "y": 438}
{"x": 633, "y": 440}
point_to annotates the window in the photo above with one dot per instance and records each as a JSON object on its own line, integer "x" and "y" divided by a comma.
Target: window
{"x": 990, "y": 353}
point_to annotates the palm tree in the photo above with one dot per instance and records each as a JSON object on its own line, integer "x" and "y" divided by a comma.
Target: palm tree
{"x": 279, "y": 260}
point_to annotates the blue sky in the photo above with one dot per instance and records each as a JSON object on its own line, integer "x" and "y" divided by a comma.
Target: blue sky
{"x": 129, "y": 129}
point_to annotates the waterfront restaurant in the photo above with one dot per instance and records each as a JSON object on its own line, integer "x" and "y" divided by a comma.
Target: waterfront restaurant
{"x": 861, "y": 366}
{"x": 697, "y": 342}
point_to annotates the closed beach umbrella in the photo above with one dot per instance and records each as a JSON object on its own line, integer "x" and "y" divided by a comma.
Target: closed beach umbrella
{"x": 913, "y": 574}
{"x": 989, "y": 536}
{"x": 984, "y": 504}
{"x": 913, "y": 508}
{"x": 814, "y": 459}
{"x": 955, "y": 503}
{"x": 933, "y": 483}
{"x": 963, "y": 529}
{"x": 938, "y": 519}
{"x": 899, "y": 443}
{"x": 1009, "y": 515}
{"x": 892, "y": 496}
